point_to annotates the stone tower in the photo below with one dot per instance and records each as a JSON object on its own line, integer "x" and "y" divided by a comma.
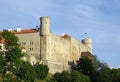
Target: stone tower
{"x": 44, "y": 39}
{"x": 88, "y": 43}
{"x": 45, "y": 25}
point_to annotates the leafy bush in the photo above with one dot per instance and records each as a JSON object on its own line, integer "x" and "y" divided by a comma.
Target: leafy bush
{"x": 41, "y": 71}
{"x": 79, "y": 77}
{"x": 27, "y": 72}
{"x": 65, "y": 76}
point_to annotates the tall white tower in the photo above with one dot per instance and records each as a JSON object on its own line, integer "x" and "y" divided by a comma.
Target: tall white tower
{"x": 88, "y": 43}
{"x": 45, "y": 25}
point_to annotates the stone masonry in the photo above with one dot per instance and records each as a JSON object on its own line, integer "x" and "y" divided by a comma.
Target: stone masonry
{"x": 55, "y": 51}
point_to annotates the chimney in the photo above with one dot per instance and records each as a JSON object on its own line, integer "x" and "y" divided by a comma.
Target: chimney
{"x": 18, "y": 29}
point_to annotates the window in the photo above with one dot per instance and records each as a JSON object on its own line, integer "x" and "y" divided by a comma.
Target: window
{"x": 31, "y": 49}
{"x": 23, "y": 43}
{"x": 31, "y": 42}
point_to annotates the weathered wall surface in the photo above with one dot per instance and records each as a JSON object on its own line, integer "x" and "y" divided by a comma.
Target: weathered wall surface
{"x": 54, "y": 51}
{"x": 59, "y": 53}
{"x": 76, "y": 48}
{"x": 31, "y": 43}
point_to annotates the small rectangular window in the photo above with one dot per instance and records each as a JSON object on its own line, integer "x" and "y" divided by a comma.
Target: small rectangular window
{"x": 31, "y": 42}
{"x": 23, "y": 43}
{"x": 31, "y": 49}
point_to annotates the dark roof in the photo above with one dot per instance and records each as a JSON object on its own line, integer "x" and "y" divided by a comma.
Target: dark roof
{"x": 86, "y": 54}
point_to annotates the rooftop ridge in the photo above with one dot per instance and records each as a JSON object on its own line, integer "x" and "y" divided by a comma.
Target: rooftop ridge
{"x": 23, "y": 31}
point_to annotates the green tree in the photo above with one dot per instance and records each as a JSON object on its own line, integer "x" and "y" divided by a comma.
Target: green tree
{"x": 79, "y": 77}
{"x": 105, "y": 75}
{"x": 65, "y": 76}
{"x": 98, "y": 64}
{"x": 10, "y": 38}
{"x": 1, "y": 63}
{"x": 85, "y": 65}
{"x": 10, "y": 57}
{"x": 94, "y": 68}
{"x": 26, "y": 72}
{"x": 12, "y": 53}
{"x": 61, "y": 77}
{"x": 115, "y": 75}
{"x": 41, "y": 70}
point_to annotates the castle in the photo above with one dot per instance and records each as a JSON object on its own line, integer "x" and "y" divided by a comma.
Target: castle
{"x": 55, "y": 51}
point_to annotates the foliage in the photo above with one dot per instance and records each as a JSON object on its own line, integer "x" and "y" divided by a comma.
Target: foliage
{"x": 85, "y": 66}
{"x": 115, "y": 75}
{"x": 26, "y": 72}
{"x": 10, "y": 57}
{"x": 11, "y": 78}
{"x": 98, "y": 64}
{"x": 79, "y": 77}
{"x": 105, "y": 75}
{"x": 61, "y": 77}
{"x": 96, "y": 70}
{"x": 10, "y": 38}
{"x": 41, "y": 70}
{"x": 11, "y": 64}
{"x": 91, "y": 68}
{"x": 65, "y": 76}
{"x": 1, "y": 63}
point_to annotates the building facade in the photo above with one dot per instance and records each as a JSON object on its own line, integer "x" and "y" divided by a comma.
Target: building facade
{"x": 57, "y": 52}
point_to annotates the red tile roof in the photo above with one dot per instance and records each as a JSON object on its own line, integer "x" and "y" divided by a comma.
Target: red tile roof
{"x": 2, "y": 41}
{"x": 65, "y": 36}
{"x": 24, "y": 31}
{"x": 19, "y": 32}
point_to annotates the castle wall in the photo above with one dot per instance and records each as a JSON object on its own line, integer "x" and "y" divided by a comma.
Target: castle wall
{"x": 75, "y": 51}
{"x": 31, "y": 43}
{"x": 84, "y": 48}
{"x": 59, "y": 53}
{"x": 56, "y": 52}
{"x": 77, "y": 48}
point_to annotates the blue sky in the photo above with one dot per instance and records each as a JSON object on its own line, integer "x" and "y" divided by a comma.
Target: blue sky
{"x": 99, "y": 18}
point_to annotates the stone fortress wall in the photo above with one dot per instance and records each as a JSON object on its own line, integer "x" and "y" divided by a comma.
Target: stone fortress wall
{"x": 31, "y": 43}
{"x": 54, "y": 51}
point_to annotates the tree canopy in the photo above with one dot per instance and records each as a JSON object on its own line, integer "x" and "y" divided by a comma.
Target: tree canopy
{"x": 12, "y": 68}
